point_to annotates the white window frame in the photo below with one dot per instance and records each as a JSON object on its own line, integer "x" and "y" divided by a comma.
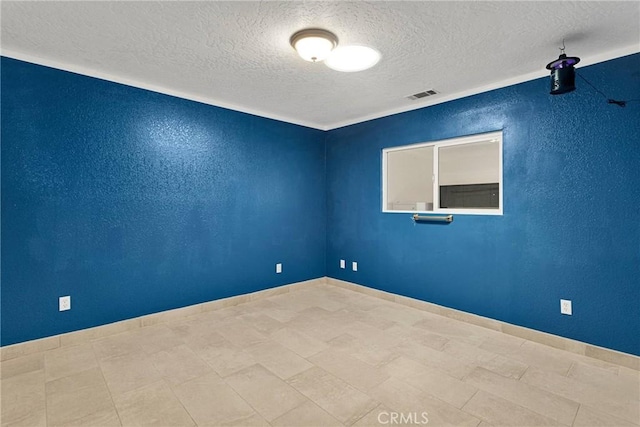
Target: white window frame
{"x": 484, "y": 137}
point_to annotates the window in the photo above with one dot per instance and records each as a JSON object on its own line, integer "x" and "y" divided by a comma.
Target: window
{"x": 461, "y": 175}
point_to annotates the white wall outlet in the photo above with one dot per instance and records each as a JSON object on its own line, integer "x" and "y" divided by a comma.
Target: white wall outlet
{"x": 343, "y": 263}
{"x": 279, "y": 268}
{"x": 64, "y": 303}
{"x": 565, "y": 306}
{"x": 354, "y": 266}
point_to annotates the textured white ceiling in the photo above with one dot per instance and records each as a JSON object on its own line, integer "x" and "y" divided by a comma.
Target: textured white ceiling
{"x": 237, "y": 55}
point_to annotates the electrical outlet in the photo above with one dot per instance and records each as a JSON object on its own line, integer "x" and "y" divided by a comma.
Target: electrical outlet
{"x": 565, "y": 306}
{"x": 279, "y": 268}
{"x": 354, "y": 266}
{"x": 64, "y": 303}
{"x": 343, "y": 264}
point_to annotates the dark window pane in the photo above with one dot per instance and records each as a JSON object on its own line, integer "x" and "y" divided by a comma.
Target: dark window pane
{"x": 470, "y": 196}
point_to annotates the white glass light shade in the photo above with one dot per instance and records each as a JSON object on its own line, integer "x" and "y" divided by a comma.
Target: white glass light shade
{"x": 352, "y": 58}
{"x": 313, "y": 45}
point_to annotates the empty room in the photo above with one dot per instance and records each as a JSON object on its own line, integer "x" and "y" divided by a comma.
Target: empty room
{"x": 320, "y": 213}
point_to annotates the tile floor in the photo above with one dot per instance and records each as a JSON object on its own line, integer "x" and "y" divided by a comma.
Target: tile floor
{"x": 321, "y": 356}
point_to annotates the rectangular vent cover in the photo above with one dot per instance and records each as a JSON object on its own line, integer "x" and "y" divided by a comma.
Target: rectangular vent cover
{"x": 424, "y": 94}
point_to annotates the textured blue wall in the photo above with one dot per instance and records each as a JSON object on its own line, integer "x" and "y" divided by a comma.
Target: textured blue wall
{"x": 134, "y": 202}
{"x": 571, "y": 224}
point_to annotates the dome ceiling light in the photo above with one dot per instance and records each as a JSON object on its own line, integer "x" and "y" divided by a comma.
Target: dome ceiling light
{"x": 316, "y": 45}
{"x": 352, "y": 58}
{"x": 313, "y": 44}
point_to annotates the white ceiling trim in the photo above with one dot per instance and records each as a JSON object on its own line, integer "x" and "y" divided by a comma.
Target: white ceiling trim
{"x": 585, "y": 61}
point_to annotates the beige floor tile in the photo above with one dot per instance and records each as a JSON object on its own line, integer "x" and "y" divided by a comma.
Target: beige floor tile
{"x": 103, "y": 418}
{"x": 262, "y": 323}
{"x": 471, "y": 355}
{"x": 298, "y": 342}
{"x": 321, "y": 297}
{"x": 359, "y": 374}
{"x": 431, "y": 381}
{"x": 543, "y": 402}
{"x": 179, "y": 364}
{"x": 23, "y": 399}
{"x": 294, "y": 301}
{"x": 406, "y": 399}
{"x": 381, "y": 416}
{"x": 364, "y": 331}
{"x": 501, "y": 343}
{"x": 306, "y": 415}
{"x": 204, "y": 339}
{"x": 359, "y": 301}
{"x": 265, "y": 392}
{"x": 224, "y": 357}
{"x": 65, "y": 361}
{"x": 240, "y": 334}
{"x": 590, "y": 361}
{"x": 34, "y": 419}
{"x": 116, "y": 345}
{"x": 318, "y": 323}
{"x": 276, "y": 311}
{"x": 419, "y": 336}
{"x": 278, "y": 359}
{"x": 541, "y": 357}
{"x": 76, "y": 396}
{"x": 341, "y": 400}
{"x": 628, "y": 372}
{"x": 501, "y": 412}
{"x": 151, "y": 405}
{"x": 254, "y": 420}
{"x": 589, "y": 417}
{"x": 475, "y": 356}
{"x": 623, "y": 385}
{"x": 604, "y": 399}
{"x": 374, "y": 351}
{"x": 211, "y": 401}
{"x": 454, "y": 329}
{"x": 504, "y": 366}
{"x": 398, "y": 313}
{"x": 195, "y": 326}
{"x": 344, "y": 355}
{"x": 366, "y": 317}
{"x": 128, "y": 372}
{"x": 435, "y": 359}
{"x": 402, "y": 367}
{"x": 21, "y": 365}
{"x": 154, "y": 338}
{"x": 329, "y": 304}
{"x": 22, "y": 349}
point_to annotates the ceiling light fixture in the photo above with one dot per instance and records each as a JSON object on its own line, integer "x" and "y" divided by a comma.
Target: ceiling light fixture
{"x": 313, "y": 44}
{"x": 352, "y": 58}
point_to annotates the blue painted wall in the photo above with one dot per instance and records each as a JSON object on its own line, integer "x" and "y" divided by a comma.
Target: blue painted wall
{"x": 571, "y": 224}
{"x": 134, "y": 202}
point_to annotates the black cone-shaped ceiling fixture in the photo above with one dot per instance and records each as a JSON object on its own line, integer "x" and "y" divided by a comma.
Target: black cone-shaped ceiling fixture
{"x": 563, "y": 75}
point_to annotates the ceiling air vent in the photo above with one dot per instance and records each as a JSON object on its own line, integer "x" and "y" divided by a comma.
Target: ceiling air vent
{"x": 424, "y": 94}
